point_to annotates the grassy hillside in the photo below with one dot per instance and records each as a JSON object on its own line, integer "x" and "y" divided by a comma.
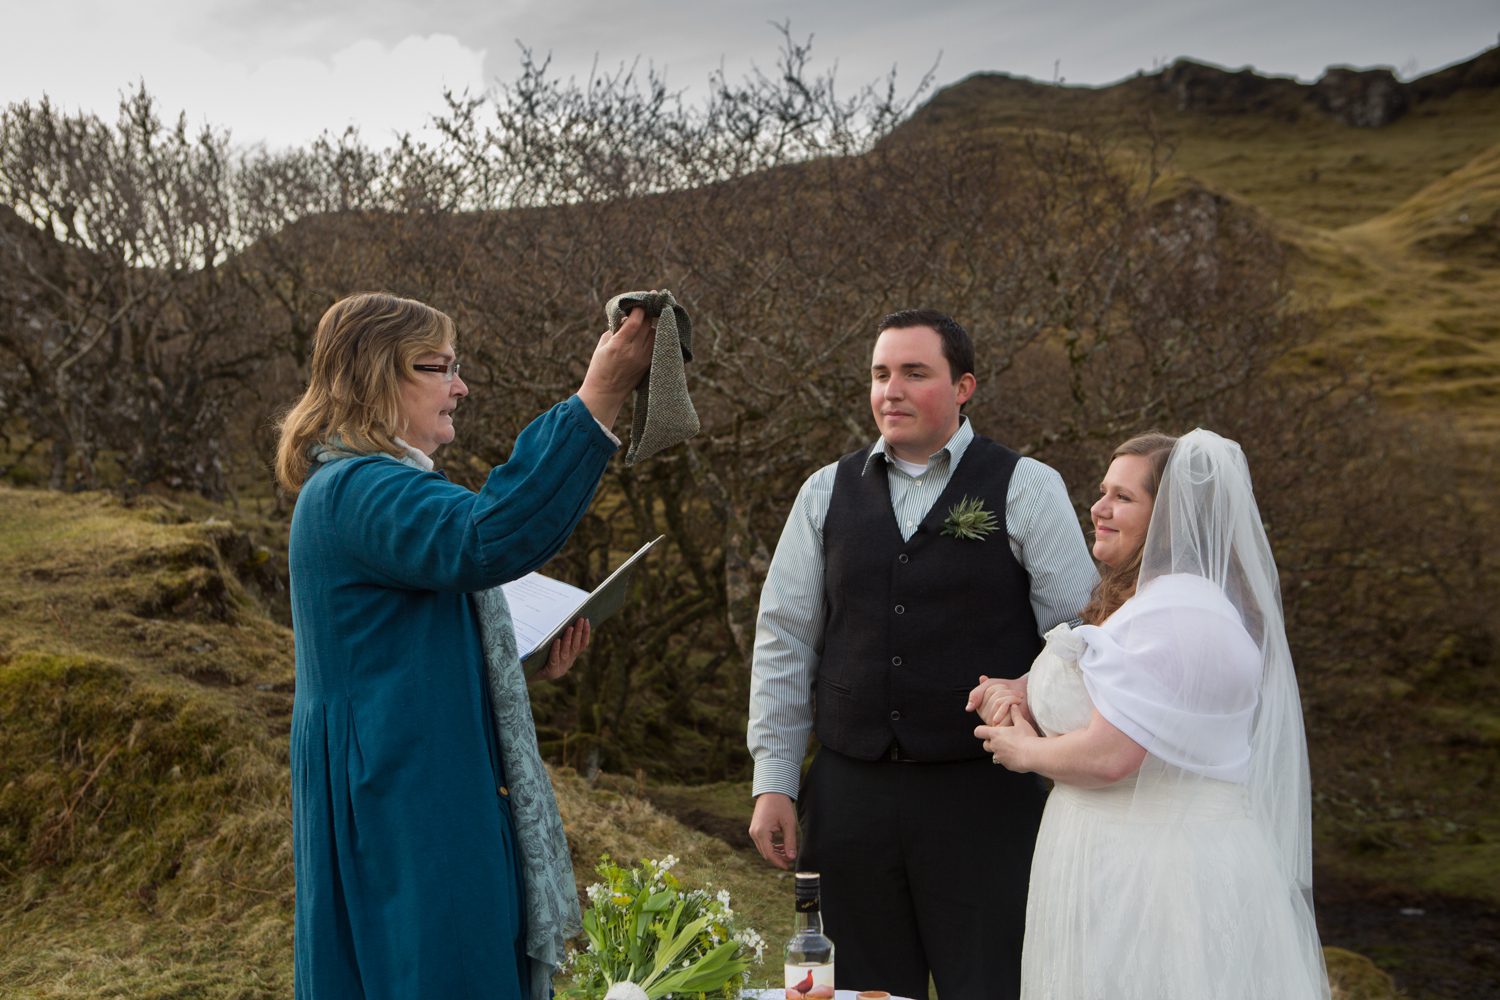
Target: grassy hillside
{"x": 144, "y": 805}
{"x": 143, "y": 800}
{"x": 144, "y": 811}
{"x": 1396, "y": 229}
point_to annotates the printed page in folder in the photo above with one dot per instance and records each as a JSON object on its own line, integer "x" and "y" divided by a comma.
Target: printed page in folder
{"x": 541, "y": 607}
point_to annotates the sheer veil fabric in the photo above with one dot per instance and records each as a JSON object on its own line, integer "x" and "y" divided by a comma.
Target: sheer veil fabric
{"x": 1209, "y": 845}
{"x": 1206, "y": 524}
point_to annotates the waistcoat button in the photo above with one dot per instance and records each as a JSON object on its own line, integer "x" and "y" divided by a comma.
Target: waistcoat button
{"x": 895, "y": 661}
{"x": 895, "y": 716}
{"x": 900, "y": 609}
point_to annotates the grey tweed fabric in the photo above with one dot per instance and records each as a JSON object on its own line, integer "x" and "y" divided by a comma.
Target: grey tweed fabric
{"x": 664, "y": 413}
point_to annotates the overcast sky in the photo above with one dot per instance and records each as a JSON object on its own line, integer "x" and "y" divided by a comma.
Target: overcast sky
{"x": 280, "y": 71}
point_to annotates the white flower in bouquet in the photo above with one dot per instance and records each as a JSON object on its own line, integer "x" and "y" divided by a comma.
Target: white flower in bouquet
{"x": 626, "y": 991}
{"x": 649, "y": 938}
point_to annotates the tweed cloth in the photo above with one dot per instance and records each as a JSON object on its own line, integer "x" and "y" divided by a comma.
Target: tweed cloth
{"x": 664, "y": 413}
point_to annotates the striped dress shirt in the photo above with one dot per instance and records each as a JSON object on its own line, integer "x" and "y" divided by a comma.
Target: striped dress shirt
{"x": 1044, "y": 537}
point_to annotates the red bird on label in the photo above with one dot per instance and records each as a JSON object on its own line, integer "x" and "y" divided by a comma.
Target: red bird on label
{"x": 805, "y": 990}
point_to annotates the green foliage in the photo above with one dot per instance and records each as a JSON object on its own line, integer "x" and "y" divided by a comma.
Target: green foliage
{"x": 969, "y": 520}
{"x": 645, "y": 927}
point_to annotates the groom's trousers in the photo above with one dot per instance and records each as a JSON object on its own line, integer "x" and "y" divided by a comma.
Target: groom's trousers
{"x": 924, "y": 870}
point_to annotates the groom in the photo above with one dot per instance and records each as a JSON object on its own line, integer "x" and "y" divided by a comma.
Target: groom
{"x": 883, "y": 605}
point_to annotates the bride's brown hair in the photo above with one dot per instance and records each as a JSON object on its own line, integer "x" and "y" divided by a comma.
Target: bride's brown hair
{"x": 1117, "y": 583}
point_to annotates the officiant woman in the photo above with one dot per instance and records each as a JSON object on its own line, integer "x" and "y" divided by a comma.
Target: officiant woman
{"x": 428, "y": 852}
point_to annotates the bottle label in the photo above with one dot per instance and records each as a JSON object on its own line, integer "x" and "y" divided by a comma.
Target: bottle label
{"x": 812, "y": 981}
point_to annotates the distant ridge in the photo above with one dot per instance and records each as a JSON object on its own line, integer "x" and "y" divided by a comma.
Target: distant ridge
{"x": 1387, "y": 192}
{"x": 1358, "y": 97}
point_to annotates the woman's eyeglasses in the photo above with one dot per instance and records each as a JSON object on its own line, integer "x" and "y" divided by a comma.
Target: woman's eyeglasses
{"x": 449, "y": 372}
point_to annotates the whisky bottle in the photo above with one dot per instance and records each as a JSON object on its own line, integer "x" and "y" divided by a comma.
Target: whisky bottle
{"x": 809, "y": 953}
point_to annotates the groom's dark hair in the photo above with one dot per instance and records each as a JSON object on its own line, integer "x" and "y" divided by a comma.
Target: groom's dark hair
{"x": 957, "y": 347}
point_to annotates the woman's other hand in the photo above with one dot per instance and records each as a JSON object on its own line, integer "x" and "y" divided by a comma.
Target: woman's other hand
{"x": 1008, "y": 744}
{"x": 565, "y": 650}
{"x": 619, "y": 362}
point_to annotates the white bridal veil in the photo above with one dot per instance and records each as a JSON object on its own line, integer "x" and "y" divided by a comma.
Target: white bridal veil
{"x": 1196, "y": 669}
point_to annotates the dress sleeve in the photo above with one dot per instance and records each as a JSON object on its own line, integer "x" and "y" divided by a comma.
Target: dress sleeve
{"x": 1175, "y": 670}
{"x": 416, "y": 530}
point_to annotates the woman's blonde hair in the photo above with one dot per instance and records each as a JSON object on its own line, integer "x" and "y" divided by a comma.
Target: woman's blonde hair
{"x": 364, "y": 348}
{"x": 1117, "y": 583}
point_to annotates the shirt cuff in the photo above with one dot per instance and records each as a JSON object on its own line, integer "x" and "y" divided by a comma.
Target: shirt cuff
{"x": 607, "y": 432}
{"x": 773, "y": 775}
{"x": 597, "y": 422}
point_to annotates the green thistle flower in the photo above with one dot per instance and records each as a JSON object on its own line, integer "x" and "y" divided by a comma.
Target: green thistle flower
{"x": 969, "y": 521}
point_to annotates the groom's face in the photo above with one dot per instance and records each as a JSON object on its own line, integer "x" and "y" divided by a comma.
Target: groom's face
{"x": 913, "y": 394}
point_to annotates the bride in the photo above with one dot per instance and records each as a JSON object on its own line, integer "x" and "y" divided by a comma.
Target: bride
{"x": 1174, "y": 858}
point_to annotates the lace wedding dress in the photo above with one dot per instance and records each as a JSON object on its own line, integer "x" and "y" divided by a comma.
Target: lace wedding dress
{"x": 1154, "y": 888}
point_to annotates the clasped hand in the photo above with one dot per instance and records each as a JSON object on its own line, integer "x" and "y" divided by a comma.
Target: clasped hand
{"x": 1007, "y": 722}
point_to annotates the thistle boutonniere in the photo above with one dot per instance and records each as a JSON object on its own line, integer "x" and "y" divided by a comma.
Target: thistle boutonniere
{"x": 968, "y": 520}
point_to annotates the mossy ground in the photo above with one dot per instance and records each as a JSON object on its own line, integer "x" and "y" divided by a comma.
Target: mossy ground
{"x": 145, "y": 826}
{"x": 144, "y": 815}
{"x": 144, "y": 811}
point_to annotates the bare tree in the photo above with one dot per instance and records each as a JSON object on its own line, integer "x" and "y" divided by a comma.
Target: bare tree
{"x": 133, "y": 338}
{"x": 160, "y": 293}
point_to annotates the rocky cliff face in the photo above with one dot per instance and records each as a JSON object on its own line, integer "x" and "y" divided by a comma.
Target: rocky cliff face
{"x": 1360, "y": 98}
{"x": 1364, "y": 98}
{"x": 1208, "y": 89}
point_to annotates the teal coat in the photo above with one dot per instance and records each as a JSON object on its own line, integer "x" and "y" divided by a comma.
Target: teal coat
{"x": 407, "y": 885}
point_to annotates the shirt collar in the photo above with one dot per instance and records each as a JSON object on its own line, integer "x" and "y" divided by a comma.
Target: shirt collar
{"x": 416, "y": 458}
{"x": 954, "y": 449}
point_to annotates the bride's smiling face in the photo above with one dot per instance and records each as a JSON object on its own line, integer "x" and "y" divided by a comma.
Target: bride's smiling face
{"x": 1123, "y": 510}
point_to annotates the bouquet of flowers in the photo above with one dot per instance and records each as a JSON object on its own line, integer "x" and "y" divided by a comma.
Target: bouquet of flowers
{"x": 650, "y": 938}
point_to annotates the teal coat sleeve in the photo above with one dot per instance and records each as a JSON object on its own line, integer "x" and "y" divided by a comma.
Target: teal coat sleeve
{"x": 418, "y": 531}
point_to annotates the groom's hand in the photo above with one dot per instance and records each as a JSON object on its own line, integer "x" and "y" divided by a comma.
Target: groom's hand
{"x": 995, "y": 697}
{"x": 773, "y": 827}
{"x": 1000, "y": 707}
